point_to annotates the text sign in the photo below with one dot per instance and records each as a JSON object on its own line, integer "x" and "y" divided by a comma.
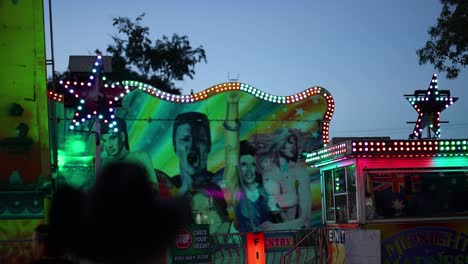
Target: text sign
{"x": 183, "y": 239}
{"x": 336, "y": 236}
{"x": 255, "y": 248}
{"x": 192, "y": 245}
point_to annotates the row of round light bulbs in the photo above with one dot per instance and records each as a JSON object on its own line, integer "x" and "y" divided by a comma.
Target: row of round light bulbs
{"x": 395, "y": 143}
{"x": 327, "y": 152}
{"x": 243, "y": 87}
{"x": 55, "y": 96}
{"x": 190, "y": 98}
{"x": 221, "y": 88}
{"x": 397, "y": 146}
{"x": 411, "y": 155}
{"x": 440, "y": 98}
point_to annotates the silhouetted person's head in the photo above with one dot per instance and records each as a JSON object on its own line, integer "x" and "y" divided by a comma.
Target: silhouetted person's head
{"x": 192, "y": 142}
{"x": 123, "y": 220}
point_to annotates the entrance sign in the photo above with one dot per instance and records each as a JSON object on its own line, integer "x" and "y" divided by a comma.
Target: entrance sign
{"x": 255, "y": 248}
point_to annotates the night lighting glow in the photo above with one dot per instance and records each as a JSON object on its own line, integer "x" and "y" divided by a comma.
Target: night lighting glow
{"x": 390, "y": 148}
{"x": 89, "y": 107}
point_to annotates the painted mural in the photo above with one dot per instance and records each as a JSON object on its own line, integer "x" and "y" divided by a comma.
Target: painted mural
{"x": 233, "y": 150}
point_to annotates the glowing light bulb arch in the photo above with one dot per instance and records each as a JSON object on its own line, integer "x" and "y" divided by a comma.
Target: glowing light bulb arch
{"x": 236, "y": 86}
{"x": 97, "y": 97}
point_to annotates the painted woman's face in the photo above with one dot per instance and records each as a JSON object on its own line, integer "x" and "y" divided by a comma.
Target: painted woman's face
{"x": 192, "y": 147}
{"x": 203, "y": 212}
{"x": 247, "y": 166}
{"x": 289, "y": 149}
{"x": 112, "y": 143}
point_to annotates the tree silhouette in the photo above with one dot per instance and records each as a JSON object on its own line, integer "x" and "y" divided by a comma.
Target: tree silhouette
{"x": 447, "y": 48}
{"x": 135, "y": 57}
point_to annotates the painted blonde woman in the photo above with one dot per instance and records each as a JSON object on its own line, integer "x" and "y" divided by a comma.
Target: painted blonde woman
{"x": 285, "y": 178}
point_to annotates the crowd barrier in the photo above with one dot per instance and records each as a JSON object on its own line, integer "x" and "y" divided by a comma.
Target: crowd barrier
{"x": 308, "y": 246}
{"x": 303, "y": 246}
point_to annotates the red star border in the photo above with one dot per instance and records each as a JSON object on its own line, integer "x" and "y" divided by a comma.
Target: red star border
{"x": 429, "y": 104}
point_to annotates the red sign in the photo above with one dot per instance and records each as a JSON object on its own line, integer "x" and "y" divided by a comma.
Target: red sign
{"x": 183, "y": 239}
{"x": 255, "y": 248}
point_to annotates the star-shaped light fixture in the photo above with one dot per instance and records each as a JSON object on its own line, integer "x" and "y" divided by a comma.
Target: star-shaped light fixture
{"x": 429, "y": 104}
{"x": 96, "y": 97}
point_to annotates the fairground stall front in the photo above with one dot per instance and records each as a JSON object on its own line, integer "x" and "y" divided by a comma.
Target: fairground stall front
{"x": 407, "y": 197}
{"x": 234, "y": 150}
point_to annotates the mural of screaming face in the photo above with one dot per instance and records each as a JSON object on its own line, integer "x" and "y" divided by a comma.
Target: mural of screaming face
{"x": 192, "y": 143}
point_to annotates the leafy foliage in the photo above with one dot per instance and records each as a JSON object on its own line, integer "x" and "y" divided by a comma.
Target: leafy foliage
{"x": 135, "y": 57}
{"x": 447, "y": 48}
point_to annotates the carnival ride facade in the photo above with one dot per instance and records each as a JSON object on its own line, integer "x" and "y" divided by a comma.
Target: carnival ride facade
{"x": 59, "y": 129}
{"x": 408, "y": 190}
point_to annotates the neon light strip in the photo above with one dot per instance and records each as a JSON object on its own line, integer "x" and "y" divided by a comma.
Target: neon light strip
{"x": 389, "y": 148}
{"x": 326, "y": 162}
{"x": 327, "y": 153}
{"x": 236, "y": 86}
{"x": 410, "y": 148}
{"x": 81, "y": 116}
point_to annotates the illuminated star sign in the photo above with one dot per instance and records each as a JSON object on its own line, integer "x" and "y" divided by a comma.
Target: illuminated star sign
{"x": 429, "y": 104}
{"x": 96, "y": 97}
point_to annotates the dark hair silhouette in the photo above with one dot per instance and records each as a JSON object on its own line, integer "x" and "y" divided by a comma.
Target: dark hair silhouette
{"x": 246, "y": 148}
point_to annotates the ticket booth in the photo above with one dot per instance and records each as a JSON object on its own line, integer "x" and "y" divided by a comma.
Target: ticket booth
{"x": 412, "y": 191}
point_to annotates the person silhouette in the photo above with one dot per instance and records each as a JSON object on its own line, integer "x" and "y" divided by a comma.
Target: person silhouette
{"x": 120, "y": 219}
{"x": 46, "y": 248}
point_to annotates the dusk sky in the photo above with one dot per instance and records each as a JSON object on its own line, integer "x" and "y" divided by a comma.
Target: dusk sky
{"x": 362, "y": 51}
